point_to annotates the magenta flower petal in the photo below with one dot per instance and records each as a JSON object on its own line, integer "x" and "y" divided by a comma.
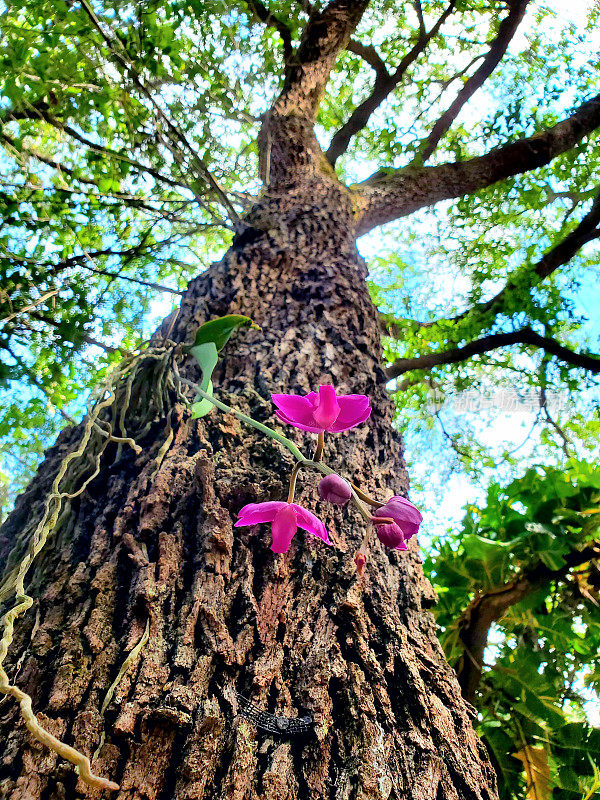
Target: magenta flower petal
{"x": 328, "y": 408}
{"x": 255, "y": 513}
{"x": 352, "y": 405}
{"x": 284, "y": 527}
{"x": 311, "y": 429}
{"x": 285, "y": 519}
{"x": 309, "y": 522}
{"x": 294, "y": 407}
{"x": 345, "y": 421}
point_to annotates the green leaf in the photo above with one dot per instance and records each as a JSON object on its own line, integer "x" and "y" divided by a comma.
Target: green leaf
{"x": 220, "y": 330}
{"x": 211, "y": 337}
{"x": 203, "y": 406}
{"x": 551, "y": 559}
{"x": 206, "y": 355}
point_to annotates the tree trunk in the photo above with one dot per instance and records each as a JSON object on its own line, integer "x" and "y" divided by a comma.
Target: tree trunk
{"x": 152, "y": 538}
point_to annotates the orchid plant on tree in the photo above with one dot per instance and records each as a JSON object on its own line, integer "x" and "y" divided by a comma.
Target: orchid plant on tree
{"x": 395, "y": 521}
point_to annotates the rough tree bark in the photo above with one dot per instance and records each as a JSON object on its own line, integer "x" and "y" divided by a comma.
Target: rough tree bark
{"x": 292, "y": 631}
{"x": 300, "y": 630}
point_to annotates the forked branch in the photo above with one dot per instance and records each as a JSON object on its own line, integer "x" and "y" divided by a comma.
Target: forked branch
{"x": 370, "y": 56}
{"x": 487, "y": 608}
{"x": 287, "y": 143}
{"x": 587, "y": 231}
{"x": 326, "y": 33}
{"x": 385, "y": 83}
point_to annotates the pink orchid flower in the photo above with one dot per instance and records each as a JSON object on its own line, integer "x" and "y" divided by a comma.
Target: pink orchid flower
{"x": 285, "y": 519}
{"x": 407, "y": 519}
{"x": 322, "y": 411}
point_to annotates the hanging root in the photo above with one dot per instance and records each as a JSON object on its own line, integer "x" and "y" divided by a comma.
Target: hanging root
{"x": 46, "y": 738}
{"x": 164, "y": 447}
{"x": 119, "y": 439}
{"x": 124, "y": 667}
{"x": 140, "y": 381}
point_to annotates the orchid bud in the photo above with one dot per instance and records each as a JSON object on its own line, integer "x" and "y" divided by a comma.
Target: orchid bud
{"x": 335, "y": 490}
{"x": 360, "y": 560}
{"x": 406, "y": 515}
{"x": 391, "y": 535}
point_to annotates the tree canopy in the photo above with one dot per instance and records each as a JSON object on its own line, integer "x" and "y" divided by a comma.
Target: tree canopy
{"x": 469, "y": 130}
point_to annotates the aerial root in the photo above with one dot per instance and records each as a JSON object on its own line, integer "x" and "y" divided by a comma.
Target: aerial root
{"x": 115, "y": 394}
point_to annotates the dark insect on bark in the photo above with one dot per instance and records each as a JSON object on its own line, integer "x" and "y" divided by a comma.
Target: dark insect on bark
{"x": 271, "y": 723}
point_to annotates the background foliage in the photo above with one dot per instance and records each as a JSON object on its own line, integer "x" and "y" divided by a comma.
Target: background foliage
{"x": 535, "y": 538}
{"x": 128, "y": 150}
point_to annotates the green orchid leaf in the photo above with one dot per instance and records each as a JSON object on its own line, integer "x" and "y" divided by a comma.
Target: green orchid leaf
{"x": 207, "y": 356}
{"x": 203, "y": 406}
{"x": 219, "y": 330}
{"x": 211, "y": 338}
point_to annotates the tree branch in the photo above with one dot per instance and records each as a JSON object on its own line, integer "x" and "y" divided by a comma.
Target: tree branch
{"x": 82, "y": 336}
{"x": 40, "y": 112}
{"x": 138, "y": 281}
{"x": 33, "y": 112}
{"x": 477, "y": 619}
{"x": 127, "y": 256}
{"x": 390, "y": 194}
{"x": 492, "y": 342}
{"x": 420, "y": 17}
{"x": 370, "y": 56}
{"x": 60, "y": 168}
{"x": 123, "y": 59}
{"x": 32, "y": 377}
{"x": 560, "y": 254}
{"x": 385, "y": 83}
{"x": 506, "y": 31}
{"x": 271, "y": 21}
{"x": 96, "y": 148}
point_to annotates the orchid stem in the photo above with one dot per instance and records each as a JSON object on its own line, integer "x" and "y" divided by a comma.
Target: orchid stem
{"x": 366, "y": 498}
{"x": 323, "y": 468}
{"x": 293, "y": 476}
{"x": 362, "y": 510}
{"x": 316, "y": 462}
{"x": 278, "y": 437}
{"x": 319, "y": 449}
